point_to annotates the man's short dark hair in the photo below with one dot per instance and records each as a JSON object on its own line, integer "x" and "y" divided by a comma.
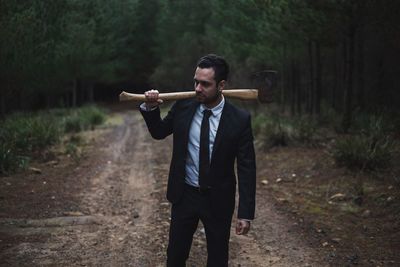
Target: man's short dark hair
{"x": 219, "y": 65}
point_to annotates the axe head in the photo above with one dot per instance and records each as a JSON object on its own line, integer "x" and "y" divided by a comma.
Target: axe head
{"x": 265, "y": 81}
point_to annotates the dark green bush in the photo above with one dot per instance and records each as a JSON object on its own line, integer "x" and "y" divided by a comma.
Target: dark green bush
{"x": 92, "y": 116}
{"x": 10, "y": 161}
{"x": 270, "y": 130}
{"x": 258, "y": 123}
{"x": 275, "y": 130}
{"x": 83, "y": 119}
{"x": 362, "y": 152}
{"x": 73, "y": 124}
{"x": 30, "y": 132}
{"x": 371, "y": 148}
{"x": 305, "y": 128}
{"x": 45, "y": 131}
{"x": 23, "y": 134}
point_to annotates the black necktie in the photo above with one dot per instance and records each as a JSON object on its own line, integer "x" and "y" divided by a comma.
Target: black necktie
{"x": 204, "y": 159}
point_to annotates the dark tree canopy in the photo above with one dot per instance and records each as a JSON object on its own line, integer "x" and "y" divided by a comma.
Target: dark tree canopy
{"x": 337, "y": 53}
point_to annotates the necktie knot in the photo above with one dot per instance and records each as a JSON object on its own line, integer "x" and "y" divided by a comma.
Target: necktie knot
{"x": 207, "y": 113}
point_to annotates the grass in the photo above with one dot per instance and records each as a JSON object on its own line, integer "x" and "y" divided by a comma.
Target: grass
{"x": 23, "y": 134}
{"x": 276, "y": 130}
{"x": 370, "y": 147}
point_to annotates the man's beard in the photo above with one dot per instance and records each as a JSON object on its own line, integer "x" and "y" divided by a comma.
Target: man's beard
{"x": 207, "y": 100}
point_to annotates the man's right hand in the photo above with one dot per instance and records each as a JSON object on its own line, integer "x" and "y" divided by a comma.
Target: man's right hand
{"x": 152, "y": 99}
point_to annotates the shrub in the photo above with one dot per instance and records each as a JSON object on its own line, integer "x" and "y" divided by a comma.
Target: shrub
{"x": 83, "y": 119}
{"x": 258, "y": 123}
{"x": 329, "y": 117}
{"x": 363, "y": 152}
{"x": 45, "y": 131}
{"x": 10, "y": 161}
{"x": 73, "y": 124}
{"x": 73, "y": 150}
{"x": 277, "y": 130}
{"x": 370, "y": 149}
{"x": 305, "y": 128}
{"x": 92, "y": 116}
{"x": 270, "y": 130}
{"x": 22, "y": 134}
{"x": 30, "y": 132}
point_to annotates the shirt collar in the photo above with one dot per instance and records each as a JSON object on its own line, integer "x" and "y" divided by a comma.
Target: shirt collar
{"x": 215, "y": 110}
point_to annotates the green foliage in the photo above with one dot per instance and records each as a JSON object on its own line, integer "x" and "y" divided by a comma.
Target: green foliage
{"x": 305, "y": 128}
{"x": 362, "y": 152}
{"x": 72, "y": 148}
{"x": 371, "y": 148}
{"x": 21, "y": 134}
{"x": 269, "y": 131}
{"x": 10, "y": 161}
{"x": 73, "y": 124}
{"x": 31, "y": 132}
{"x": 276, "y": 130}
{"x": 93, "y": 115}
{"x": 329, "y": 117}
{"x": 83, "y": 119}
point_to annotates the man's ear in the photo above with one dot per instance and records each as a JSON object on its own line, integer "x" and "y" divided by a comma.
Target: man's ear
{"x": 221, "y": 85}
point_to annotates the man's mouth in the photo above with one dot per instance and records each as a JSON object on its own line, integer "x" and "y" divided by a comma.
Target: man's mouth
{"x": 200, "y": 95}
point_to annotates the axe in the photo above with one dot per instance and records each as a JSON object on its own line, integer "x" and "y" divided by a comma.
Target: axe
{"x": 264, "y": 80}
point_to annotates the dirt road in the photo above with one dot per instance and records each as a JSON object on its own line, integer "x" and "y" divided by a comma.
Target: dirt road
{"x": 110, "y": 210}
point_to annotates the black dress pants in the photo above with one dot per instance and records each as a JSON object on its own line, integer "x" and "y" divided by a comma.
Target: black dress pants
{"x": 185, "y": 216}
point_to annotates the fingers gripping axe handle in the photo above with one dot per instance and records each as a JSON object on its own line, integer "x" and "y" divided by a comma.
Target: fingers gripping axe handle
{"x": 263, "y": 94}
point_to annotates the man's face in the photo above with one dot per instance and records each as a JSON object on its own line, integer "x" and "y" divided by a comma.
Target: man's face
{"x": 207, "y": 90}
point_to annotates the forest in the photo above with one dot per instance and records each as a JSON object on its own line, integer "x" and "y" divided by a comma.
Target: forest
{"x": 330, "y": 54}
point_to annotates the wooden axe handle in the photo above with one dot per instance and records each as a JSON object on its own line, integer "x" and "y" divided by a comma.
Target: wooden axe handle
{"x": 243, "y": 94}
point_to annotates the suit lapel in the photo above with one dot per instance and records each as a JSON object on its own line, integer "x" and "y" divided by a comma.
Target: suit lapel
{"x": 188, "y": 117}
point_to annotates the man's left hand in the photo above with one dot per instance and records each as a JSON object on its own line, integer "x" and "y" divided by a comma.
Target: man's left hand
{"x": 242, "y": 227}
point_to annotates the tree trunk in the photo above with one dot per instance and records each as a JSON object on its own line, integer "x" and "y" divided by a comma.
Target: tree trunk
{"x": 360, "y": 69}
{"x": 292, "y": 88}
{"x": 310, "y": 90}
{"x": 21, "y": 100}
{"x": 298, "y": 88}
{"x": 2, "y": 103}
{"x": 335, "y": 79}
{"x": 74, "y": 92}
{"x": 48, "y": 100}
{"x": 283, "y": 79}
{"x": 318, "y": 78}
{"x": 90, "y": 92}
{"x": 344, "y": 66}
{"x": 348, "y": 94}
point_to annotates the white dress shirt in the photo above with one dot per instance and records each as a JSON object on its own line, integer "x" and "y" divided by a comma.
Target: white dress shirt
{"x": 192, "y": 159}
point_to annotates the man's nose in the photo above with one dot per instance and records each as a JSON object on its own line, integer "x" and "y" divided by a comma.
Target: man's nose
{"x": 197, "y": 87}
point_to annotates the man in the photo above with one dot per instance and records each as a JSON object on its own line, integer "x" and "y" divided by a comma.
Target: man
{"x": 209, "y": 134}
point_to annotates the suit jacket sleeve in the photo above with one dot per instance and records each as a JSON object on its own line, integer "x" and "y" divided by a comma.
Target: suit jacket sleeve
{"x": 246, "y": 169}
{"x": 159, "y": 128}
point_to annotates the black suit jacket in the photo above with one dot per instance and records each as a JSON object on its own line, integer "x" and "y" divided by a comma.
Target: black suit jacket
{"x": 234, "y": 141}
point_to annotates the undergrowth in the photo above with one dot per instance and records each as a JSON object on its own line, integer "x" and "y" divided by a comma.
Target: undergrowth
{"x": 23, "y": 134}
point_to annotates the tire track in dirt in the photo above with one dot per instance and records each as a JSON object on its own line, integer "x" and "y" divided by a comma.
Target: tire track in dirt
{"x": 126, "y": 196}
